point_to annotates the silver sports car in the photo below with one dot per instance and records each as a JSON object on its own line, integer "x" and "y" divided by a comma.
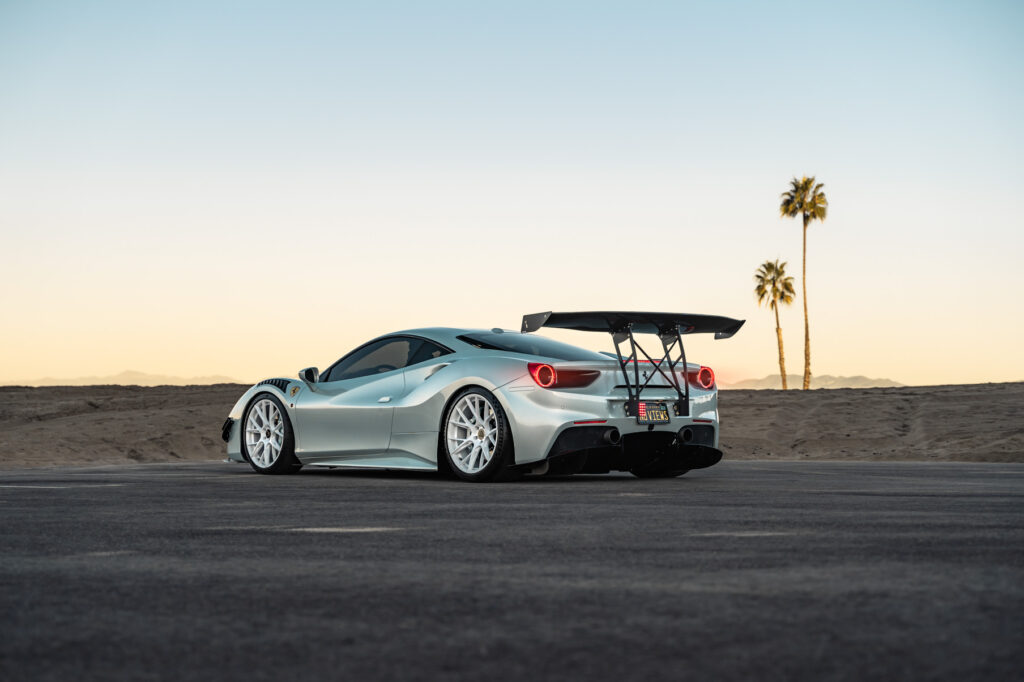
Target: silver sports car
{"x": 495, "y": 404}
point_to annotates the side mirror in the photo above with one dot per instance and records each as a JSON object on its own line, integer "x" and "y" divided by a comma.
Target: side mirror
{"x": 310, "y": 375}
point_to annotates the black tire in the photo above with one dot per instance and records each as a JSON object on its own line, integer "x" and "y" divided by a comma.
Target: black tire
{"x": 286, "y": 462}
{"x": 500, "y": 467}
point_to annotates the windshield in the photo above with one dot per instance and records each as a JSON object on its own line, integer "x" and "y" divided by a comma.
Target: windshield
{"x": 528, "y": 344}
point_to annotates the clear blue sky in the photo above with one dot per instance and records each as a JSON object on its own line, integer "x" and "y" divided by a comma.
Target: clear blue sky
{"x": 932, "y": 89}
{"x": 145, "y": 148}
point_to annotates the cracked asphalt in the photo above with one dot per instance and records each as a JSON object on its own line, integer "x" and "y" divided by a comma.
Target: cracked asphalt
{"x": 767, "y": 570}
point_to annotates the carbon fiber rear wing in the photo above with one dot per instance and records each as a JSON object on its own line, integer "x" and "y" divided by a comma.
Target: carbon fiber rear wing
{"x": 623, "y": 326}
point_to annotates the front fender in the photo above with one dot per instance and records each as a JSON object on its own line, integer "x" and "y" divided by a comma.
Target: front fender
{"x": 284, "y": 390}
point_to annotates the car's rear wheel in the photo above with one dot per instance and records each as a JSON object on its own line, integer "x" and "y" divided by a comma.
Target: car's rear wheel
{"x": 476, "y": 439}
{"x": 268, "y": 442}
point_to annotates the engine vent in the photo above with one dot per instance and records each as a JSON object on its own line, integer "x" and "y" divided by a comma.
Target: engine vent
{"x": 279, "y": 384}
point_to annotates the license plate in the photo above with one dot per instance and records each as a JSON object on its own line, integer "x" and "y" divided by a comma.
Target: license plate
{"x": 651, "y": 413}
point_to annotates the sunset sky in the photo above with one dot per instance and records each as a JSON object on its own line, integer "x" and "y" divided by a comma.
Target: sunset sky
{"x": 246, "y": 189}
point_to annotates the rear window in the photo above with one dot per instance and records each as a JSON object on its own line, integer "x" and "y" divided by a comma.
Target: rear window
{"x": 528, "y": 344}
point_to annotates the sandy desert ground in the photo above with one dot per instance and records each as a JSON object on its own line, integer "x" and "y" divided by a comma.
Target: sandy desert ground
{"x": 54, "y": 426}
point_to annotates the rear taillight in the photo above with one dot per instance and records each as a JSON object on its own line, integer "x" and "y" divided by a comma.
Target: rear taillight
{"x": 544, "y": 375}
{"x": 547, "y": 376}
{"x": 703, "y": 377}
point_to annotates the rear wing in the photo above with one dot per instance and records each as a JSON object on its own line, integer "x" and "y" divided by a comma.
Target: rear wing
{"x": 622, "y": 325}
{"x": 640, "y": 323}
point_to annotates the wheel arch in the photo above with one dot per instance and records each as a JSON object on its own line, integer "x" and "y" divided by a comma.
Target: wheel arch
{"x": 284, "y": 460}
{"x": 442, "y": 462}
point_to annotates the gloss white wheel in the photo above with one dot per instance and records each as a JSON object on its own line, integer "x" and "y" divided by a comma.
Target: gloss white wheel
{"x": 264, "y": 433}
{"x": 472, "y": 433}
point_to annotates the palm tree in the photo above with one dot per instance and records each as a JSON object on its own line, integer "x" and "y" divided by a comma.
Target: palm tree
{"x": 774, "y": 287}
{"x": 804, "y": 198}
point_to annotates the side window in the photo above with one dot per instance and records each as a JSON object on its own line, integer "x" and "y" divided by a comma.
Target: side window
{"x": 384, "y": 356}
{"x": 427, "y": 351}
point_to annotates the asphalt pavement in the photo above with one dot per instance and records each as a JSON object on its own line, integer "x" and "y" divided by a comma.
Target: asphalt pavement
{"x": 747, "y": 570}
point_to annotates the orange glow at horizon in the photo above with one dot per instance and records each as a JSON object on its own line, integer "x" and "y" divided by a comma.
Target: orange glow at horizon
{"x": 250, "y": 285}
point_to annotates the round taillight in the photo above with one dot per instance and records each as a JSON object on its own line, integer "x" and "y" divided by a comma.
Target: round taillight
{"x": 705, "y": 377}
{"x": 544, "y": 375}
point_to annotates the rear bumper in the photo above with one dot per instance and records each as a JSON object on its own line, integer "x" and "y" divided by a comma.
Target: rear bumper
{"x": 540, "y": 417}
{"x": 578, "y": 438}
{"x": 602, "y": 448}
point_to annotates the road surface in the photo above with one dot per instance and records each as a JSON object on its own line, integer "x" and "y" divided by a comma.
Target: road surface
{"x": 767, "y": 570}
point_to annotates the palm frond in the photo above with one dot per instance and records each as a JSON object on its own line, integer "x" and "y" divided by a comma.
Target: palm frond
{"x": 772, "y": 285}
{"x": 804, "y": 198}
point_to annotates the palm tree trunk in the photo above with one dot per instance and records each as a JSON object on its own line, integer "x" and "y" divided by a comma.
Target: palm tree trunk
{"x": 782, "y": 355}
{"x": 807, "y": 326}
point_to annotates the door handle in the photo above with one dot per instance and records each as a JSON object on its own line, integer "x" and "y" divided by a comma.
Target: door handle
{"x": 385, "y": 399}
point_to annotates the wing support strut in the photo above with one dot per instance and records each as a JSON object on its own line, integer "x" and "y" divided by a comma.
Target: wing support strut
{"x": 673, "y": 355}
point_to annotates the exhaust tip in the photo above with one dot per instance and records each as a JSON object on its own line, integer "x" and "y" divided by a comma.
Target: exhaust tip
{"x": 612, "y": 436}
{"x": 686, "y": 434}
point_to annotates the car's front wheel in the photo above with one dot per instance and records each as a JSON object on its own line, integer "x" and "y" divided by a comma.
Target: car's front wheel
{"x": 477, "y": 441}
{"x": 268, "y": 442}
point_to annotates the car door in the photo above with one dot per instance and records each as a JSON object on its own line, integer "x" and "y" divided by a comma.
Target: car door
{"x": 349, "y": 412}
{"x": 414, "y": 412}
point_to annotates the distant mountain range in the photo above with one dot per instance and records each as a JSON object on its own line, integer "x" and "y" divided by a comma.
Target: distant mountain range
{"x": 127, "y": 378}
{"x": 823, "y": 381}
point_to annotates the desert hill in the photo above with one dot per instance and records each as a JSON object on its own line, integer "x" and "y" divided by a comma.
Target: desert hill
{"x": 112, "y": 424}
{"x": 128, "y": 378}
